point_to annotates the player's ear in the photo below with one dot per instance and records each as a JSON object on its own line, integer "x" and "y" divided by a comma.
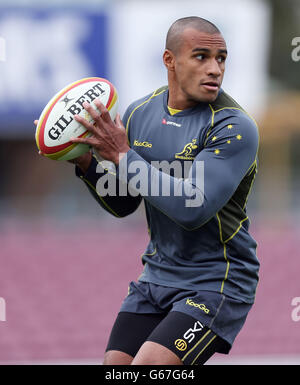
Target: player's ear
{"x": 169, "y": 60}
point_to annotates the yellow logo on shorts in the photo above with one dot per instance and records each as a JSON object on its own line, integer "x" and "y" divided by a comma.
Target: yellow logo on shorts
{"x": 180, "y": 344}
{"x": 200, "y": 306}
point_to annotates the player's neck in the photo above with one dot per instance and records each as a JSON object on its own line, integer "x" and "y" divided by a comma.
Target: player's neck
{"x": 177, "y": 99}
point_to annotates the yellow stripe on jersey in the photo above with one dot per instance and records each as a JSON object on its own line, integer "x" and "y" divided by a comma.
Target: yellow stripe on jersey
{"x": 140, "y": 105}
{"x": 100, "y": 197}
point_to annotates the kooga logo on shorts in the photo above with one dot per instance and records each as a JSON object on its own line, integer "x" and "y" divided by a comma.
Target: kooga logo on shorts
{"x": 200, "y": 306}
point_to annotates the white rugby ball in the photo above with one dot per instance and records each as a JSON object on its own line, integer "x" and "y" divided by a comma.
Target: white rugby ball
{"x": 57, "y": 125}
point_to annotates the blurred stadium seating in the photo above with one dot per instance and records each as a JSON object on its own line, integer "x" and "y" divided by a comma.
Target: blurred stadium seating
{"x": 64, "y": 283}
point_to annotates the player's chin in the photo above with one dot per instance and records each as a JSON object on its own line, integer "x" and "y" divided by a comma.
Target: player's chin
{"x": 204, "y": 96}
{"x": 208, "y": 96}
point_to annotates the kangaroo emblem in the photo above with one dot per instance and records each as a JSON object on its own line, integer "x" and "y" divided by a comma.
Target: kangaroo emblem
{"x": 187, "y": 151}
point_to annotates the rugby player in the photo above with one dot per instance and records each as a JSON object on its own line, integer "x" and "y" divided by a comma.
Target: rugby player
{"x": 200, "y": 266}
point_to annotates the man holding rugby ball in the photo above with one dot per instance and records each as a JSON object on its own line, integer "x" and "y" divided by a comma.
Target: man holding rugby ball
{"x": 200, "y": 266}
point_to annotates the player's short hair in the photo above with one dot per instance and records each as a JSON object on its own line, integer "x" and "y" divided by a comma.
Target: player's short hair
{"x": 174, "y": 34}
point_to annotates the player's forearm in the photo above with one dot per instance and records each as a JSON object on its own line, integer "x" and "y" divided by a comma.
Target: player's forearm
{"x": 83, "y": 162}
{"x": 119, "y": 206}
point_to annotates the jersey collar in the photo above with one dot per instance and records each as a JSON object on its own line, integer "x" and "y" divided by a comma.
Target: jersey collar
{"x": 200, "y": 106}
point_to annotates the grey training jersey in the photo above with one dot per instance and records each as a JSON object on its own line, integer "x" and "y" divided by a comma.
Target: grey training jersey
{"x": 204, "y": 246}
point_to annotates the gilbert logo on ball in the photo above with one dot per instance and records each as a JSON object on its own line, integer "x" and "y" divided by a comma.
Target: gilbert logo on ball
{"x": 57, "y": 125}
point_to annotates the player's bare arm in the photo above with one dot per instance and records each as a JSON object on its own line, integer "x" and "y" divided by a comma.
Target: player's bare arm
{"x": 108, "y": 138}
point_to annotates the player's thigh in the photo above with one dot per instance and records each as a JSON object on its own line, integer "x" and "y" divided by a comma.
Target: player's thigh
{"x": 128, "y": 334}
{"x": 114, "y": 357}
{"x": 179, "y": 338}
{"x": 152, "y": 353}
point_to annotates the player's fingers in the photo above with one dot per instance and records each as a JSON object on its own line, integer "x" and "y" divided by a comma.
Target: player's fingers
{"x": 94, "y": 114}
{"x": 119, "y": 122}
{"x": 88, "y": 141}
{"x": 90, "y": 127}
{"x": 103, "y": 110}
{"x": 36, "y": 122}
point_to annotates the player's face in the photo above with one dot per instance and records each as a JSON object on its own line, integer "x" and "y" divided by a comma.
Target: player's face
{"x": 199, "y": 65}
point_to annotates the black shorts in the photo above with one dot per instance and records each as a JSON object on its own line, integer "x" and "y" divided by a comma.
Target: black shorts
{"x": 193, "y": 325}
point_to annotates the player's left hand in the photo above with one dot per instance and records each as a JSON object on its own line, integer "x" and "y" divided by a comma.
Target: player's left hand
{"x": 108, "y": 138}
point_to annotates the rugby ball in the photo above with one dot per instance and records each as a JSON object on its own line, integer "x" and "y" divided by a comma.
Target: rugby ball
{"x": 57, "y": 125}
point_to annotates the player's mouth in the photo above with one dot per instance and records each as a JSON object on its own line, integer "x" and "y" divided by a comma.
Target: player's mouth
{"x": 211, "y": 86}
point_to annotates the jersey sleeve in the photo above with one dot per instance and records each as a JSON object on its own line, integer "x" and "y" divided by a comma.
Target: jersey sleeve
{"x": 229, "y": 152}
{"x": 118, "y": 204}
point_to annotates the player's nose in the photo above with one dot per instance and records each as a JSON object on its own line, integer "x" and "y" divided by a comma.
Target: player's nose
{"x": 213, "y": 68}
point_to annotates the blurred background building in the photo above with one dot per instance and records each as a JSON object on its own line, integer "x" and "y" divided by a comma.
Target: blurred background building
{"x": 65, "y": 263}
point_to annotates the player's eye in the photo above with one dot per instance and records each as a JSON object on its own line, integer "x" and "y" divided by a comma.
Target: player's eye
{"x": 221, "y": 59}
{"x": 200, "y": 56}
